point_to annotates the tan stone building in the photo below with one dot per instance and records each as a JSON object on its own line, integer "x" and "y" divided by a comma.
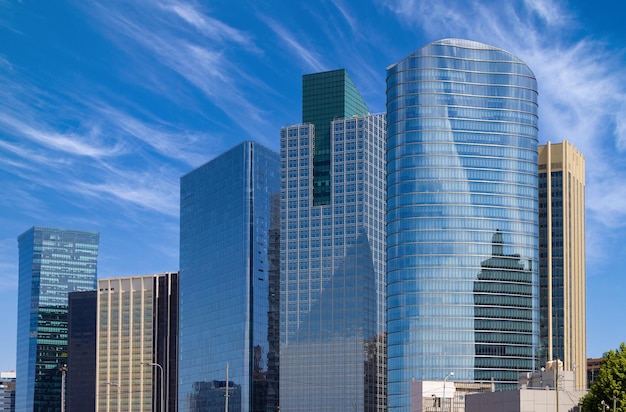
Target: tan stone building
{"x": 562, "y": 258}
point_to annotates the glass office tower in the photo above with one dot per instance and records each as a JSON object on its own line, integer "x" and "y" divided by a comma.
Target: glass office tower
{"x": 81, "y": 345}
{"x": 461, "y": 217}
{"x": 327, "y": 96}
{"x": 228, "y": 298}
{"x": 332, "y": 330}
{"x": 52, "y": 263}
{"x": 562, "y": 257}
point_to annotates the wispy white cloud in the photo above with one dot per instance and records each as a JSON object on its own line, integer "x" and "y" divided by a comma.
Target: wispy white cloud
{"x": 311, "y": 60}
{"x": 71, "y": 143}
{"x": 203, "y": 62}
{"x": 169, "y": 141}
{"x": 552, "y": 12}
{"x": 147, "y": 190}
{"x": 209, "y": 26}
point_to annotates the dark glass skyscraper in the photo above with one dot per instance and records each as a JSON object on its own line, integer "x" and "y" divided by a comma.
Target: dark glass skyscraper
{"x": 52, "y": 263}
{"x": 81, "y": 360}
{"x": 228, "y": 286}
{"x": 332, "y": 352}
{"x": 327, "y": 96}
{"x": 461, "y": 181}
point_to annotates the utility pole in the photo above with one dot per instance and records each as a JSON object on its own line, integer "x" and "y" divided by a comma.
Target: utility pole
{"x": 226, "y": 394}
{"x": 556, "y": 380}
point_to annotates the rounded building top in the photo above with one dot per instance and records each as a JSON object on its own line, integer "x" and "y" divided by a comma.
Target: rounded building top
{"x": 464, "y": 49}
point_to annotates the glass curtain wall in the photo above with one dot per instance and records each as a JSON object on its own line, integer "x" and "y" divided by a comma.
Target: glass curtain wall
{"x": 52, "y": 263}
{"x": 461, "y": 217}
{"x": 227, "y": 291}
{"x": 332, "y": 352}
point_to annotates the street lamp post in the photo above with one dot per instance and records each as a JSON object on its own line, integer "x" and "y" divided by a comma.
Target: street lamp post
{"x": 162, "y": 383}
{"x": 63, "y": 369}
{"x": 443, "y": 398}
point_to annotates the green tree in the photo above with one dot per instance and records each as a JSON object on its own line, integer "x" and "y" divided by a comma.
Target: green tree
{"x": 611, "y": 383}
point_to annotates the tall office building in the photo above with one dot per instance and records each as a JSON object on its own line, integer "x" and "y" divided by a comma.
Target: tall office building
{"x": 228, "y": 297}
{"x": 52, "y": 263}
{"x": 81, "y": 345}
{"x": 332, "y": 330}
{"x": 462, "y": 241}
{"x": 562, "y": 257}
{"x": 136, "y": 355}
{"x": 7, "y": 391}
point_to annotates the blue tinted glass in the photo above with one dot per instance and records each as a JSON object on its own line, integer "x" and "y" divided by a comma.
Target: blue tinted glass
{"x": 461, "y": 217}
{"x": 332, "y": 276}
{"x": 52, "y": 263}
{"x": 229, "y": 282}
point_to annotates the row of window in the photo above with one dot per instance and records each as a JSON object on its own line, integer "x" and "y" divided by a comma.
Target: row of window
{"x": 451, "y": 74}
{"x": 417, "y": 124}
{"x": 485, "y": 61}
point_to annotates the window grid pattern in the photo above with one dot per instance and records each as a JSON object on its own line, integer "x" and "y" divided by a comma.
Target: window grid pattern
{"x": 332, "y": 271}
{"x": 52, "y": 263}
{"x": 327, "y": 96}
{"x": 462, "y": 261}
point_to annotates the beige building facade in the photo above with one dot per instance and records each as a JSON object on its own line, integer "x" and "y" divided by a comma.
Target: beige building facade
{"x": 136, "y": 335}
{"x": 562, "y": 258}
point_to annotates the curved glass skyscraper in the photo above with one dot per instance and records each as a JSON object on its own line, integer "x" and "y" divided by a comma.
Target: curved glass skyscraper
{"x": 462, "y": 217}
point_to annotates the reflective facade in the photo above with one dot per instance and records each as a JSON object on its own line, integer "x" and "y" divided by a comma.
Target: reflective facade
{"x": 327, "y": 96}
{"x": 562, "y": 257}
{"x": 332, "y": 324}
{"x": 52, "y": 263}
{"x": 462, "y": 242}
{"x": 228, "y": 289}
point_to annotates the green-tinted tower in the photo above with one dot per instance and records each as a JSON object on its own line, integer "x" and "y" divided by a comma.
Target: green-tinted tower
{"x": 327, "y": 96}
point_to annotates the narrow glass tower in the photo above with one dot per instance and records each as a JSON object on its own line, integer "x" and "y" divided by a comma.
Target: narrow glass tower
{"x": 228, "y": 339}
{"x": 462, "y": 217}
{"x": 52, "y": 263}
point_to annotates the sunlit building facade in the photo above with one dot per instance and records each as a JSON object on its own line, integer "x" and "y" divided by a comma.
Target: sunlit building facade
{"x": 332, "y": 324}
{"x": 562, "y": 258}
{"x": 229, "y": 287}
{"x": 137, "y": 333}
{"x": 7, "y": 391}
{"x": 462, "y": 217}
{"x": 52, "y": 263}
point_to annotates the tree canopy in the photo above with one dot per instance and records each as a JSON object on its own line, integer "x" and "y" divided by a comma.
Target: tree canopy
{"x": 610, "y": 384}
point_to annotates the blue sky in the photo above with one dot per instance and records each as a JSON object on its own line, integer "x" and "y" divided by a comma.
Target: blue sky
{"x": 105, "y": 104}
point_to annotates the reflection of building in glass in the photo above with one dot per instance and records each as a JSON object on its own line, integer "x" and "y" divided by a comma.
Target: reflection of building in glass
{"x": 562, "y": 257}
{"x": 209, "y": 396}
{"x": 332, "y": 353}
{"x": 137, "y": 326}
{"x": 7, "y": 391}
{"x": 52, "y": 263}
{"x": 228, "y": 290}
{"x": 503, "y": 311}
{"x": 461, "y": 163}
